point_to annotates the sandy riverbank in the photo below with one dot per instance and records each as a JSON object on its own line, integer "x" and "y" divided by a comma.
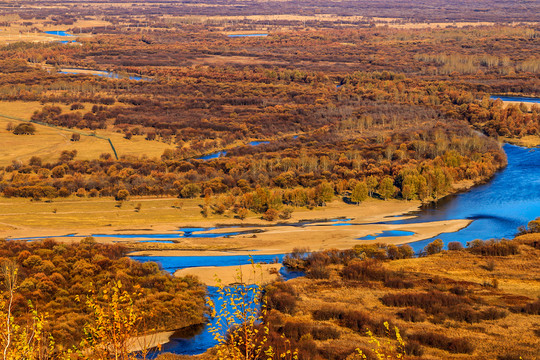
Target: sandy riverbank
{"x": 247, "y": 274}
{"x": 279, "y": 239}
{"x": 150, "y": 341}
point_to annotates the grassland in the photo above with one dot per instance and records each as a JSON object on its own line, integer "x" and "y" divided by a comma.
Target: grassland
{"x": 503, "y": 284}
{"x": 49, "y": 142}
{"x": 20, "y": 30}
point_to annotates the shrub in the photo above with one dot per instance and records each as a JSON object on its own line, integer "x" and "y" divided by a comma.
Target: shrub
{"x": 431, "y": 302}
{"x": 270, "y": 215}
{"x": 282, "y": 297}
{"x": 24, "y": 129}
{"x": 455, "y": 246}
{"x": 318, "y": 271}
{"x": 493, "y": 247}
{"x": 440, "y": 341}
{"x": 368, "y": 269}
{"x": 434, "y": 247}
{"x": 398, "y": 283}
{"x": 413, "y": 348}
{"x": 328, "y": 313}
{"x": 532, "y": 308}
{"x": 412, "y": 315}
{"x": 122, "y": 195}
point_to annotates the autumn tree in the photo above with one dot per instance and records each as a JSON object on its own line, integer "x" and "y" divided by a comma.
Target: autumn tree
{"x": 359, "y": 192}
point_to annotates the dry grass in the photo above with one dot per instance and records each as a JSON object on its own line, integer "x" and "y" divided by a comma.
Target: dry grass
{"x": 49, "y": 142}
{"x": 513, "y": 335}
{"x": 75, "y": 213}
{"x": 18, "y": 31}
{"x": 527, "y": 141}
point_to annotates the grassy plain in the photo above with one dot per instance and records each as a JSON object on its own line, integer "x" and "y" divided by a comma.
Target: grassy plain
{"x": 514, "y": 336}
{"x": 20, "y": 30}
{"x": 49, "y": 142}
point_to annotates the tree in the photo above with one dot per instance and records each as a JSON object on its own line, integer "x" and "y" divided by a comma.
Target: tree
{"x": 190, "y": 190}
{"x": 115, "y": 324}
{"x": 360, "y": 192}
{"x": 122, "y": 195}
{"x": 387, "y": 188}
{"x": 435, "y": 247}
{"x": 75, "y": 137}
{"x": 371, "y": 183}
{"x": 58, "y": 171}
{"x": 24, "y": 129}
{"x": 20, "y": 339}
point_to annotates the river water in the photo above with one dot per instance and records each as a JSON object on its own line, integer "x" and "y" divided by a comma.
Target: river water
{"x": 496, "y": 208}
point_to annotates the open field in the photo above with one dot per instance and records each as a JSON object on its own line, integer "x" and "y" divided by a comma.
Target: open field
{"x": 49, "y": 142}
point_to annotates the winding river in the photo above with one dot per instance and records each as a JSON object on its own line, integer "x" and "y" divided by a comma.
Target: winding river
{"x": 497, "y": 208}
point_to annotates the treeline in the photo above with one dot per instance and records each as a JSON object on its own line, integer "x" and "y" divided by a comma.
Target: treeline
{"x": 58, "y": 278}
{"x": 423, "y": 167}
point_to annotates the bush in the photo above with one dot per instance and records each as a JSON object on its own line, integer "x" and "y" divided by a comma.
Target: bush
{"x": 493, "y": 247}
{"x": 122, "y": 195}
{"x": 532, "y": 308}
{"x": 440, "y": 341}
{"x": 270, "y": 215}
{"x": 434, "y": 248}
{"x": 24, "y": 129}
{"x": 281, "y": 297}
{"x": 328, "y": 313}
{"x": 398, "y": 283}
{"x": 431, "y": 302}
{"x": 455, "y": 246}
{"x": 318, "y": 271}
{"x": 412, "y": 315}
{"x": 368, "y": 269}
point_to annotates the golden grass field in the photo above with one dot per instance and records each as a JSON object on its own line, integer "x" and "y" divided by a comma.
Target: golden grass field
{"x": 49, "y": 142}
{"x": 518, "y": 283}
{"x": 18, "y": 31}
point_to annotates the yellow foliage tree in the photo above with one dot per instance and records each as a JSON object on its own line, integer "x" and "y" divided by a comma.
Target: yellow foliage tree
{"x": 21, "y": 338}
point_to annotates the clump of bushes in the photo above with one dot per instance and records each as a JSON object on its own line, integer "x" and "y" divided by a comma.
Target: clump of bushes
{"x": 412, "y": 315}
{"x": 493, "y": 247}
{"x": 440, "y": 341}
{"x": 282, "y": 297}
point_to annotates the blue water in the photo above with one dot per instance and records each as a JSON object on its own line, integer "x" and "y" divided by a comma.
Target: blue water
{"x": 516, "y": 98}
{"x": 173, "y": 263}
{"x": 246, "y": 35}
{"x": 255, "y": 143}
{"x": 191, "y": 344}
{"x": 387, "y": 233}
{"x": 58, "y": 33}
{"x": 219, "y": 154}
{"x": 212, "y": 156}
{"x": 497, "y": 208}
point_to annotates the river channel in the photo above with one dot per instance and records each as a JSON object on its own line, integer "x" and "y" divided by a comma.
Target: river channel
{"x": 497, "y": 208}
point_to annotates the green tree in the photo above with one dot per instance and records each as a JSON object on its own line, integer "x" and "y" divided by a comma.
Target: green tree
{"x": 386, "y": 188}
{"x": 359, "y": 192}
